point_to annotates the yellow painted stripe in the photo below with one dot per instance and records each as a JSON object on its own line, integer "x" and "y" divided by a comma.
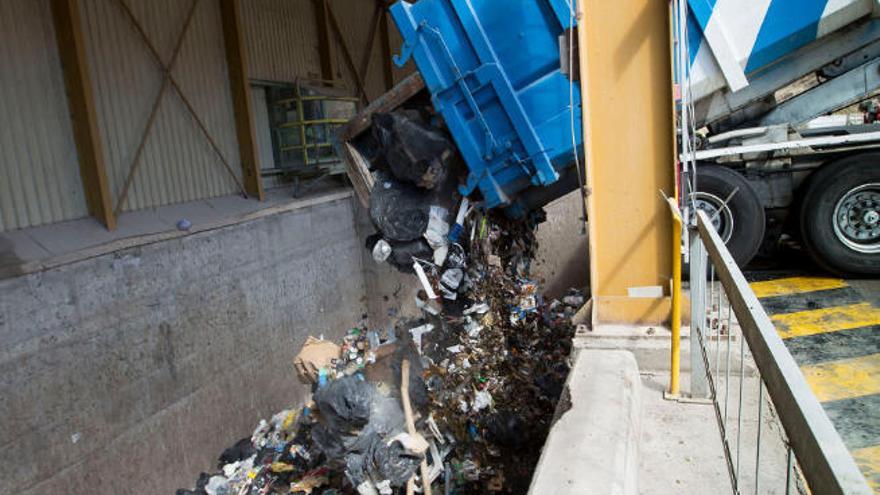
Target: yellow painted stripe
{"x": 868, "y": 460}
{"x": 795, "y": 285}
{"x": 826, "y": 320}
{"x": 844, "y": 379}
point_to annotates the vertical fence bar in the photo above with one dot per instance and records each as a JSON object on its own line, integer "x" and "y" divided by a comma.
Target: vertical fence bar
{"x": 758, "y": 440}
{"x": 739, "y": 415}
{"x": 716, "y": 323}
{"x": 727, "y": 373}
{"x": 788, "y": 472}
{"x": 698, "y": 258}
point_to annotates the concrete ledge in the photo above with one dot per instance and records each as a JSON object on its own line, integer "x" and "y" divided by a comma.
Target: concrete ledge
{"x": 650, "y": 345}
{"x": 593, "y": 446}
{"x": 83, "y": 239}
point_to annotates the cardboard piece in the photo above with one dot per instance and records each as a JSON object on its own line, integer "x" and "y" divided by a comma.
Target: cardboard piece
{"x": 314, "y": 355}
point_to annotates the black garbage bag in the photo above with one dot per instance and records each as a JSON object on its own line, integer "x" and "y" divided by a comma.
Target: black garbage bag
{"x": 414, "y": 151}
{"x": 402, "y": 253}
{"x": 377, "y": 461}
{"x": 345, "y": 403}
{"x": 329, "y": 443}
{"x": 242, "y": 449}
{"x": 399, "y": 210}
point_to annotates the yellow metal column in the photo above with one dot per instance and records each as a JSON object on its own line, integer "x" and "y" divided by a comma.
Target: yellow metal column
{"x": 628, "y": 136}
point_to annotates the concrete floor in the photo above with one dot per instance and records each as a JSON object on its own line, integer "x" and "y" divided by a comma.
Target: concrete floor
{"x": 680, "y": 450}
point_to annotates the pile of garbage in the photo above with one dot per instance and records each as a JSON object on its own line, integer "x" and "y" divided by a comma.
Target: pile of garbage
{"x": 484, "y": 368}
{"x": 457, "y": 401}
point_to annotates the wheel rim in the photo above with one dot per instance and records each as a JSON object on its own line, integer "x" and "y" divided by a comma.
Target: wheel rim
{"x": 857, "y": 219}
{"x": 717, "y": 211}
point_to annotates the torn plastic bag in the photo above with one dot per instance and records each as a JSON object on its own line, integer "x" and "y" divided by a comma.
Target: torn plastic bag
{"x": 400, "y": 211}
{"x": 438, "y": 227}
{"x": 385, "y": 418}
{"x": 414, "y": 152}
{"x": 345, "y": 403}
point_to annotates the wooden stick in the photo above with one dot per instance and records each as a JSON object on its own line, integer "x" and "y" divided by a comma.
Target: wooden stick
{"x": 411, "y": 428}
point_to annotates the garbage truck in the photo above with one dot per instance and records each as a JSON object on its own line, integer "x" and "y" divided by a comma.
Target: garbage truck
{"x": 765, "y": 149}
{"x": 780, "y": 146}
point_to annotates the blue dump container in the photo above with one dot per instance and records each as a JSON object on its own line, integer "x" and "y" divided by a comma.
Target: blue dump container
{"x": 494, "y": 73}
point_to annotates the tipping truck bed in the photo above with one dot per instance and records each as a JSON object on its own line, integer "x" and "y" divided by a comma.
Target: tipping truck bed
{"x": 495, "y": 79}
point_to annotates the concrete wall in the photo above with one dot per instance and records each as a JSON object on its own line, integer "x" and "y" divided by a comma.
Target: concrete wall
{"x": 563, "y": 253}
{"x": 131, "y": 372}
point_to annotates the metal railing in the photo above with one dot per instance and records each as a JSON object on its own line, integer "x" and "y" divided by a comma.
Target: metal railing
{"x": 742, "y": 366}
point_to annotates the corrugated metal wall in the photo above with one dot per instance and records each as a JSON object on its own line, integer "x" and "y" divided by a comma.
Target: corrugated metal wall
{"x": 355, "y": 18}
{"x": 39, "y": 174}
{"x": 282, "y": 39}
{"x": 178, "y": 163}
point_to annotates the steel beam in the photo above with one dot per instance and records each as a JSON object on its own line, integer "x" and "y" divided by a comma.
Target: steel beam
{"x": 624, "y": 52}
{"x": 236, "y": 60}
{"x": 346, "y": 54}
{"x": 841, "y": 91}
{"x": 77, "y": 79}
{"x": 385, "y": 42}
{"x": 326, "y": 46}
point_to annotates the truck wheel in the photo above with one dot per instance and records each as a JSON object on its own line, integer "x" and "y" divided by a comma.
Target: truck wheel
{"x": 840, "y": 217}
{"x": 740, "y": 222}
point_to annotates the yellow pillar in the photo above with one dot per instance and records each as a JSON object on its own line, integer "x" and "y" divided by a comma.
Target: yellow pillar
{"x": 628, "y": 135}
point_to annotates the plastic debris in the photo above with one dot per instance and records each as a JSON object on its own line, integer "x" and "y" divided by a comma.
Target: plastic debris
{"x": 218, "y": 485}
{"x": 438, "y": 227}
{"x": 381, "y": 251}
{"x": 417, "y": 334}
{"x": 413, "y": 444}
{"x": 423, "y": 278}
{"x": 482, "y": 400}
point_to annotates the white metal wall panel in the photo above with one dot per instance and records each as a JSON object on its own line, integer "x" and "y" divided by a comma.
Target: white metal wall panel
{"x": 281, "y": 38}
{"x": 178, "y": 163}
{"x": 39, "y": 172}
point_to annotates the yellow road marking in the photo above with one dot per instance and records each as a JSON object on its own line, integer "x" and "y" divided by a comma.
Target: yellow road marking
{"x": 844, "y": 379}
{"x": 868, "y": 460}
{"x": 795, "y": 285}
{"x": 826, "y": 320}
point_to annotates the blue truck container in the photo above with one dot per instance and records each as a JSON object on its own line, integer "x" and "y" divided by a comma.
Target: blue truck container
{"x": 494, "y": 73}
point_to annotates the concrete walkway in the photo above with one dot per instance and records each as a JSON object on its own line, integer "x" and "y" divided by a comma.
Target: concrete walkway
{"x": 678, "y": 448}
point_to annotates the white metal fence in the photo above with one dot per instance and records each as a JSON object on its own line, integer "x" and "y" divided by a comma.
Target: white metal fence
{"x": 740, "y": 363}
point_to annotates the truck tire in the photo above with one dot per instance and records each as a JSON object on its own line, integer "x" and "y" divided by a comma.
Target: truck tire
{"x": 840, "y": 215}
{"x": 741, "y": 222}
